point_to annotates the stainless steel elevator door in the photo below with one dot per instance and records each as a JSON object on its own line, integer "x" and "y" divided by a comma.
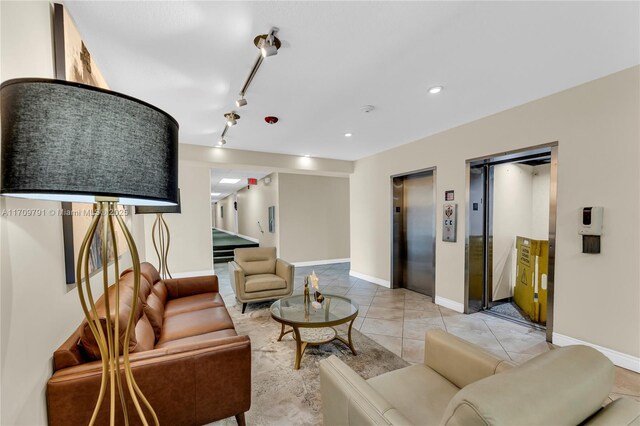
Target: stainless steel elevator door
{"x": 418, "y": 233}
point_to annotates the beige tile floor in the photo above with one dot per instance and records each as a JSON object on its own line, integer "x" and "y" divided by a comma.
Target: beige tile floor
{"x": 398, "y": 319}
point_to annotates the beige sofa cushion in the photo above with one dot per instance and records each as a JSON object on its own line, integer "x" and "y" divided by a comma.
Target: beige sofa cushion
{"x": 562, "y": 386}
{"x": 418, "y": 392}
{"x": 449, "y": 355}
{"x": 256, "y": 260}
{"x": 263, "y": 282}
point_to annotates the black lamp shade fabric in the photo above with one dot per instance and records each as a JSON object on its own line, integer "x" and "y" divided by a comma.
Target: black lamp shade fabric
{"x": 67, "y": 141}
{"x": 160, "y": 209}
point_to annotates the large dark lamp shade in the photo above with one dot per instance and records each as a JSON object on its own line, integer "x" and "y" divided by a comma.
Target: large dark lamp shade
{"x": 72, "y": 142}
{"x": 160, "y": 209}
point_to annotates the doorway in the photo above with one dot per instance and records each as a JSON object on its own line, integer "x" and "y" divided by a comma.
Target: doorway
{"x": 510, "y": 251}
{"x": 413, "y": 239}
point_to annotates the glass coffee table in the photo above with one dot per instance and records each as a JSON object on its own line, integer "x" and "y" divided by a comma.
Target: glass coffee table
{"x": 314, "y": 326}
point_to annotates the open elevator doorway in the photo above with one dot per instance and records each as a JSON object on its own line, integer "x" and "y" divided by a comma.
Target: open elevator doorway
{"x": 510, "y": 250}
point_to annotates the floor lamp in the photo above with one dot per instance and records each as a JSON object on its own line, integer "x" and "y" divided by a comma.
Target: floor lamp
{"x": 160, "y": 234}
{"x": 66, "y": 141}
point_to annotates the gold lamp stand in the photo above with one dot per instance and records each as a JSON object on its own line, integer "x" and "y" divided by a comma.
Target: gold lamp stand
{"x": 161, "y": 244}
{"x": 109, "y": 342}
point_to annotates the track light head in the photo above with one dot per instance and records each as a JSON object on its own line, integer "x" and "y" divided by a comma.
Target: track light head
{"x": 241, "y": 102}
{"x": 221, "y": 142}
{"x": 268, "y": 44}
{"x": 268, "y": 49}
{"x": 232, "y": 118}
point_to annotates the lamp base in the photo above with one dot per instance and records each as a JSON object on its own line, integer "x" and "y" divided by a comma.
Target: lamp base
{"x": 108, "y": 337}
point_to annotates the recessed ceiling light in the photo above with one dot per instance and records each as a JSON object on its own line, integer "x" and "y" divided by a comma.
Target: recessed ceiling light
{"x": 435, "y": 89}
{"x": 348, "y": 135}
{"x": 307, "y": 155}
{"x": 215, "y": 194}
{"x": 227, "y": 180}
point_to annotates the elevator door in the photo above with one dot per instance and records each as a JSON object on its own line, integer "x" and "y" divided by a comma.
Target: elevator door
{"x": 414, "y": 236}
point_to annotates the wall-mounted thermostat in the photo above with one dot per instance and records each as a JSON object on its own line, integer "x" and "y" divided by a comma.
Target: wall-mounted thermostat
{"x": 449, "y": 219}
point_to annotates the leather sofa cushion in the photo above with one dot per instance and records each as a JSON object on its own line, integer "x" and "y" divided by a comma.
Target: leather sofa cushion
{"x": 145, "y": 337}
{"x": 87, "y": 339}
{"x": 194, "y": 323}
{"x": 192, "y": 303}
{"x": 256, "y": 260}
{"x": 214, "y": 335}
{"x": 69, "y": 353}
{"x": 161, "y": 291}
{"x": 263, "y": 282}
{"x": 149, "y": 272}
{"x": 154, "y": 310}
{"x": 417, "y": 392}
{"x": 570, "y": 383}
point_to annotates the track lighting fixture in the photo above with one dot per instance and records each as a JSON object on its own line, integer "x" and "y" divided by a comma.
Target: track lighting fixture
{"x": 268, "y": 45}
{"x": 232, "y": 118}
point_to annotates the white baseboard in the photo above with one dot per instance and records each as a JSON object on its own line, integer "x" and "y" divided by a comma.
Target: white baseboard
{"x": 321, "y": 262}
{"x": 371, "y": 279}
{"x": 618, "y": 358}
{"x": 193, "y": 273}
{"x": 448, "y": 303}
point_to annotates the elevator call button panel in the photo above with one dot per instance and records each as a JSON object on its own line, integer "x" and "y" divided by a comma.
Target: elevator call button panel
{"x": 449, "y": 219}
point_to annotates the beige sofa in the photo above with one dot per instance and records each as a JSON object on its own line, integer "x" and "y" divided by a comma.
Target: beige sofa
{"x": 256, "y": 275}
{"x": 459, "y": 384}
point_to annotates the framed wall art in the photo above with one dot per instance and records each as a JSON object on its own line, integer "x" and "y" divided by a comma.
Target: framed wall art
{"x": 73, "y": 62}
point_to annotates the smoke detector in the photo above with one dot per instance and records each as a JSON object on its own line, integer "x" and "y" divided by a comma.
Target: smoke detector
{"x": 271, "y": 120}
{"x": 367, "y": 108}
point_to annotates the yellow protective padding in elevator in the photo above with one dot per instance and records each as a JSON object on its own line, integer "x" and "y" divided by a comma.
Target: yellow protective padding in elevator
{"x": 530, "y": 292}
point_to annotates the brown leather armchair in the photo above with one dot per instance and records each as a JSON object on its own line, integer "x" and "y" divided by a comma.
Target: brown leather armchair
{"x": 256, "y": 275}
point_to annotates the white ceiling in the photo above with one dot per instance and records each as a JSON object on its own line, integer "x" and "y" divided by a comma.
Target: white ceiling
{"x": 224, "y": 189}
{"x": 191, "y": 58}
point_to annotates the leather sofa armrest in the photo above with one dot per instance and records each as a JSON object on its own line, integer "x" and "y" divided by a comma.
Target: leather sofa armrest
{"x": 236, "y": 275}
{"x": 347, "y": 399}
{"x": 182, "y": 287}
{"x": 459, "y": 361}
{"x": 214, "y": 377}
{"x": 285, "y": 270}
{"x": 622, "y": 411}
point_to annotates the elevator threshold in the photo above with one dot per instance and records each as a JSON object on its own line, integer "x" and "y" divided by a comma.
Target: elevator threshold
{"x": 513, "y": 319}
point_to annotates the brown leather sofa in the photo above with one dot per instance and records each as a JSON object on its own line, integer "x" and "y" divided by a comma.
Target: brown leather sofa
{"x": 462, "y": 384}
{"x": 185, "y": 354}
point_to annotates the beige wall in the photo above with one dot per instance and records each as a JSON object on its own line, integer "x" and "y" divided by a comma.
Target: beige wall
{"x": 512, "y": 203}
{"x": 191, "y": 244}
{"x": 253, "y": 207}
{"x": 540, "y": 202}
{"x": 225, "y": 214}
{"x": 313, "y": 217}
{"x": 37, "y": 309}
{"x": 596, "y": 126}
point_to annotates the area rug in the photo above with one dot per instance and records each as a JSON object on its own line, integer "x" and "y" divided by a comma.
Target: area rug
{"x": 284, "y": 396}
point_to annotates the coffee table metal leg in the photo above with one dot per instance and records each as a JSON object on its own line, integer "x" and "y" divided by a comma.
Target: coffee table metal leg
{"x": 300, "y": 347}
{"x": 281, "y": 332}
{"x": 348, "y": 342}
